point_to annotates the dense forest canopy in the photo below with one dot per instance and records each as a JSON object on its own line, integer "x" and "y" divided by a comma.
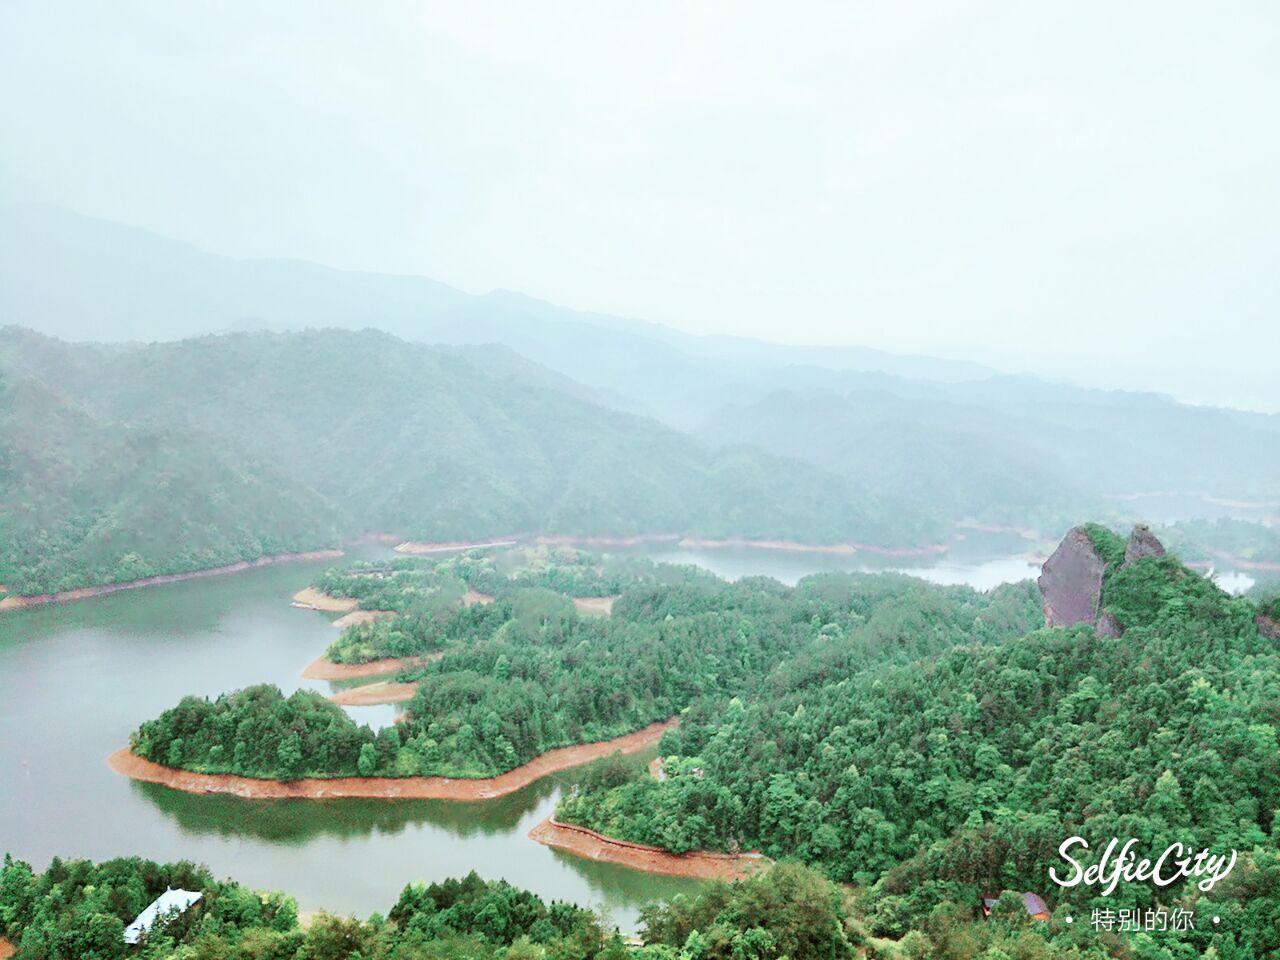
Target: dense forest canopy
{"x": 527, "y": 672}
{"x": 123, "y": 460}
{"x": 919, "y": 745}
{"x": 926, "y": 784}
{"x": 76, "y": 910}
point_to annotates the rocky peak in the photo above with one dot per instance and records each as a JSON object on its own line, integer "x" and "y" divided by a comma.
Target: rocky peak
{"x": 1072, "y": 578}
{"x": 1071, "y": 581}
{"x": 1268, "y": 627}
{"x": 1142, "y": 543}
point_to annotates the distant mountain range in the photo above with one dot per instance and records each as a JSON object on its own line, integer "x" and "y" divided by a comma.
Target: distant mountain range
{"x": 134, "y": 459}
{"x": 522, "y": 416}
{"x": 81, "y": 278}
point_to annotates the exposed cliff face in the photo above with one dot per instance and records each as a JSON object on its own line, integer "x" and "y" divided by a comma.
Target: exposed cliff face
{"x": 1142, "y": 543}
{"x": 1071, "y": 582}
{"x": 1072, "y": 578}
{"x": 1268, "y": 627}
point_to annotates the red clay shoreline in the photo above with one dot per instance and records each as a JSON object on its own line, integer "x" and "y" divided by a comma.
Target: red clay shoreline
{"x": 128, "y": 764}
{"x": 700, "y": 864}
{"x": 790, "y": 546}
{"x": 417, "y": 547}
{"x": 84, "y": 593}
{"x": 324, "y": 669}
{"x": 411, "y": 547}
{"x": 371, "y": 694}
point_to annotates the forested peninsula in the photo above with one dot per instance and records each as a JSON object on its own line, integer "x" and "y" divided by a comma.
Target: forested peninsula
{"x": 529, "y": 672}
{"x": 837, "y": 723}
{"x": 925, "y": 784}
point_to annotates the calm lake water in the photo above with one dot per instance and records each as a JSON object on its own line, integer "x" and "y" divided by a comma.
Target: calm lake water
{"x": 75, "y": 679}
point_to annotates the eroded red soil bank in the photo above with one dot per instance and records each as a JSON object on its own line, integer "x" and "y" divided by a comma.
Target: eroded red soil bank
{"x": 123, "y": 761}
{"x": 702, "y": 865}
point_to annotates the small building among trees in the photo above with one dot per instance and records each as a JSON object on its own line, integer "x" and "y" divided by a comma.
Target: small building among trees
{"x": 170, "y": 904}
{"x": 1033, "y": 903}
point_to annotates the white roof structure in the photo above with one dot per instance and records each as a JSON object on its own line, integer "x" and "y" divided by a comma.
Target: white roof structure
{"x": 168, "y": 904}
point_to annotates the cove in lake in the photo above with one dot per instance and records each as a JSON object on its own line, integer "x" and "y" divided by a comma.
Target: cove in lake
{"x": 76, "y": 679}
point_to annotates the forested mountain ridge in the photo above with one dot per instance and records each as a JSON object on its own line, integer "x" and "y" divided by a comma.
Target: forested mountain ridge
{"x": 956, "y": 436}
{"x": 132, "y": 284}
{"x": 1012, "y": 449}
{"x": 928, "y": 784}
{"x": 199, "y": 448}
{"x": 83, "y": 501}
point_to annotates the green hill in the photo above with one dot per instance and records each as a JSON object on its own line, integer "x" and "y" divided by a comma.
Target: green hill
{"x": 926, "y": 785}
{"x": 120, "y": 459}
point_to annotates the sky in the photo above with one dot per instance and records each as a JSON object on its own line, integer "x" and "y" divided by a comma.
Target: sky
{"x": 1082, "y": 190}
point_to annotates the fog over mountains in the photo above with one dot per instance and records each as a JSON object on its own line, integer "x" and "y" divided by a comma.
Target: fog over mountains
{"x": 455, "y": 415}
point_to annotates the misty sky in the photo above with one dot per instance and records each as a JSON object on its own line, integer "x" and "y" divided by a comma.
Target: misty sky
{"x": 1089, "y": 190}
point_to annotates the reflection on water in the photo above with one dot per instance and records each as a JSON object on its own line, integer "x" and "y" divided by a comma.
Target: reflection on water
{"x": 291, "y": 822}
{"x": 981, "y": 576}
{"x": 76, "y": 679}
{"x": 377, "y": 715}
{"x": 961, "y": 565}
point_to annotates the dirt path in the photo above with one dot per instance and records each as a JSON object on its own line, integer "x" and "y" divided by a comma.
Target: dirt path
{"x": 84, "y": 593}
{"x": 375, "y": 693}
{"x": 420, "y": 788}
{"x": 312, "y": 599}
{"x": 702, "y": 865}
{"x": 322, "y": 669}
{"x": 7, "y": 949}
{"x": 596, "y": 604}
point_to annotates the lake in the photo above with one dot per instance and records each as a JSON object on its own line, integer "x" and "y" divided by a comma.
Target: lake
{"x": 76, "y": 679}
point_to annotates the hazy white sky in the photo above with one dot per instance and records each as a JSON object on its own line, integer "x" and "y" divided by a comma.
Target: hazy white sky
{"x": 1089, "y": 190}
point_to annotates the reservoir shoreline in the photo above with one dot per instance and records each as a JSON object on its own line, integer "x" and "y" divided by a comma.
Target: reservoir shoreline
{"x": 698, "y": 865}
{"x": 128, "y": 764}
{"x": 322, "y": 668}
{"x": 415, "y": 548}
{"x": 680, "y": 540}
{"x": 85, "y": 593}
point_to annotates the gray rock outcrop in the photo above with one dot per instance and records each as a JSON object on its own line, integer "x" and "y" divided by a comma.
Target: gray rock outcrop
{"x": 1142, "y": 543}
{"x": 1071, "y": 582}
{"x": 1071, "y": 579}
